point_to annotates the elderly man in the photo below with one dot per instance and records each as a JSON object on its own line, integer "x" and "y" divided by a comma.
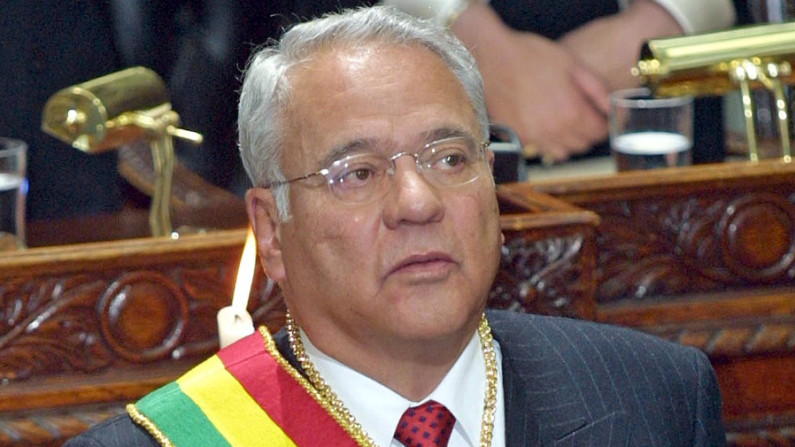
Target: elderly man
{"x": 376, "y": 213}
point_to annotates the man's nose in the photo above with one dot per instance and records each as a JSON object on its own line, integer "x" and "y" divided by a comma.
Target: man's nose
{"x": 412, "y": 199}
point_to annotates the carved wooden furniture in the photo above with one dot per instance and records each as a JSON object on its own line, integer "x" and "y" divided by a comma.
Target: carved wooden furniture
{"x": 705, "y": 256}
{"x": 86, "y": 328}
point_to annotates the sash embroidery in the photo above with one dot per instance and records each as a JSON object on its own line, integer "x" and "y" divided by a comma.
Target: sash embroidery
{"x": 245, "y": 395}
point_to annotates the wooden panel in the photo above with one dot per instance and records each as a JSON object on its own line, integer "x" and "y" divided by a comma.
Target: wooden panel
{"x": 754, "y": 387}
{"x": 681, "y": 231}
{"x": 547, "y": 259}
{"x": 704, "y": 256}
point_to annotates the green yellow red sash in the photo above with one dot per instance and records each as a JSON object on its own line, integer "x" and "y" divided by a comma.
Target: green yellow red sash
{"x": 245, "y": 395}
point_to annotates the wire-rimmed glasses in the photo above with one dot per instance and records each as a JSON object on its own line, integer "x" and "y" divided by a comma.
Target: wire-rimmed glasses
{"x": 364, "y": 177}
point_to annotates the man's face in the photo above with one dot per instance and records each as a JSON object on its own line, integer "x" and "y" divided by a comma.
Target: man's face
{"x": 415, "y": 265}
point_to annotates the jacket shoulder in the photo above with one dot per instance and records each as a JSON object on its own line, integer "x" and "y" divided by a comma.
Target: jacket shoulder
{"x": 118, "y": 431}
{"x": 566, "y": 333}
{"x": 666, "y": 391}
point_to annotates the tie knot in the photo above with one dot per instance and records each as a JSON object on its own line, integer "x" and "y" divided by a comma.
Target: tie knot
{"x": 426, "y": 425}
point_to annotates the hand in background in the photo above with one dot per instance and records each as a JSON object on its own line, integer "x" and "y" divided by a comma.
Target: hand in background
{"x": 535, "y": 85}
{"x": 610, "y": 46}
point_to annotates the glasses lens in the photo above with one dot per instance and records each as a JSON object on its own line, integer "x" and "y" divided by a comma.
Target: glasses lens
{"x": 451, "y": 162}
{"x": 364, "y": 177}
{"x": 358, "y": 178}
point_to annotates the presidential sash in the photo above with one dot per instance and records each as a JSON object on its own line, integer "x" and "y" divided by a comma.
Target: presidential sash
{"x": 245, "y": 395}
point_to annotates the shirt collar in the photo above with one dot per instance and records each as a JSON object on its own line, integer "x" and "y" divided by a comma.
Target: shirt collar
{"x": 361, "y": 394}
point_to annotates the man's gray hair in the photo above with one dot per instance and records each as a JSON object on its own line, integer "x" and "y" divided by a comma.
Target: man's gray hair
{"x": 266, "y": 85}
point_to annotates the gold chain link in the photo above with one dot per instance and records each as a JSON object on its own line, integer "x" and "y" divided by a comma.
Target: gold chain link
{"x": 340, "y": 412}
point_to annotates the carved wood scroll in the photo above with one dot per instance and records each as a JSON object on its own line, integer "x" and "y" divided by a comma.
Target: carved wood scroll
{"x": 703, "y": 243}
{"x": 685, "y": 231}
{"x": 89, "y": 322}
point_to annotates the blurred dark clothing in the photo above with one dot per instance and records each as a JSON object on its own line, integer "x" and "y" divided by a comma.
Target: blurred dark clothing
{"x": 199, "y": 48}
{"x": 45, "y": 46}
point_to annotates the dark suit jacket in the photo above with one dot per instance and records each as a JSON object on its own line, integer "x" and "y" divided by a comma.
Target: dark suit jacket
{"x": 569, "y": 383}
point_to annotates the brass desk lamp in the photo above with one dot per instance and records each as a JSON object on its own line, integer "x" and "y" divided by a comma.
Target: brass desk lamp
{"x": 758, "y": 56}
{"x": 117, "y": 109}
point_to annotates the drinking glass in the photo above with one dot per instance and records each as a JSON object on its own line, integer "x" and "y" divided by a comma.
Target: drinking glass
{"x": 648, "y": 132}
{"x": 13, "y": 190}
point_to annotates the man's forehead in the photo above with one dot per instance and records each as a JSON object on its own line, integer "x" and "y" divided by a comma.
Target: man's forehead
{"x": 356, "y": 57}
{"x": 355, "y": 53}
{"x": 360, "y": 70}
{"x": 375, "y": 96}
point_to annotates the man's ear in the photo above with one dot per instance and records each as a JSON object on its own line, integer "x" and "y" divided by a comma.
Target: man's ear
{"x": 261, "y": 209}
{"x": 490, "y": 158}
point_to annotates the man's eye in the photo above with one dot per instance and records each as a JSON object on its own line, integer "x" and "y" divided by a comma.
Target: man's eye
{"x": 356, "y": 177}
{"x": 360, "y": 174}
{"x": 449, "y": 161}
{"x": 453, "y": 160}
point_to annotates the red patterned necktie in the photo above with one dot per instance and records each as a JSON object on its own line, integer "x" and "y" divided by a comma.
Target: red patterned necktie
{"x": 426, "y": 425}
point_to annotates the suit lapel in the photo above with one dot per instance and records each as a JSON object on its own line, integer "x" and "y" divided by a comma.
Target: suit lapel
{"x": 521, "y": 430}
{"x": 542, "y": 404}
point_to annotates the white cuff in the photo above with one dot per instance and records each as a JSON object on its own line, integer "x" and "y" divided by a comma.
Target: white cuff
{"x": 441, "y": 11}
{"x": 697, "y": 16}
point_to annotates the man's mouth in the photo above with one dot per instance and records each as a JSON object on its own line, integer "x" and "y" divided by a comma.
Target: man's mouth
{"x": 428, "y": 265}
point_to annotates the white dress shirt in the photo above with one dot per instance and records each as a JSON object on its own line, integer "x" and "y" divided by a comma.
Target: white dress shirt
{"x": 697, "y": 16}
{"x": 378, "y": 409}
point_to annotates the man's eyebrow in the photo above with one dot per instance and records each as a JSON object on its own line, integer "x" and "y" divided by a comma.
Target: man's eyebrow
{"x": 338, "y": 152}
{"x": 372, "y": 144}
{"x": 442, "y": 133}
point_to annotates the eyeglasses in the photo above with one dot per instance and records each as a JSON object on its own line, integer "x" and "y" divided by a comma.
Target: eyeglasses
{"x": 362, "y": 178}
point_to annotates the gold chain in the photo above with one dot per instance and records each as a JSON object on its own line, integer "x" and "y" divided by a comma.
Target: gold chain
{"x": 340, "y": 412}
{"x": 148, "y": 425}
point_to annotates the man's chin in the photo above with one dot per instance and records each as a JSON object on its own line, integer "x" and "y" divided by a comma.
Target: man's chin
{"x": 430, "y": 327}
